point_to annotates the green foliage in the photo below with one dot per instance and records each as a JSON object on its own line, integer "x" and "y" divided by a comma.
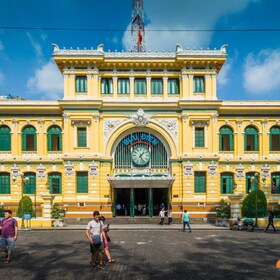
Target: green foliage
{"x": 27, "y": 207}
{"x": 2, "y": 210}
{"x": 56, "y": 212}
{"x": 249, "y": 204}
{"x": 223, "y": 210}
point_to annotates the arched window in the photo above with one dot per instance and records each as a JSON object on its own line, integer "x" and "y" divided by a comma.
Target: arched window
{"x": 251, "y": 139}
{"x": 226, "y": 183}
{"x": 5, "y": 183}
{"x": 274, "y": 141}
{"x": 55, "y": 183}
{"x": 54, "y": 139}
{"x": 30, "y": 186}
{"x": 275, "y": 183}
{"x": 226, "y": 139}
{"x": 29, "y": 139}
{"x": 5, "y": 138}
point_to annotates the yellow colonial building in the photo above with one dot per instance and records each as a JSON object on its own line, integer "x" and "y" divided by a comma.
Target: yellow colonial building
{"x": 135, "y": 130}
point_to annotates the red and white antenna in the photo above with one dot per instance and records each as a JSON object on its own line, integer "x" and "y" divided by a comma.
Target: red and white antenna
{"x": 137, "y": 26}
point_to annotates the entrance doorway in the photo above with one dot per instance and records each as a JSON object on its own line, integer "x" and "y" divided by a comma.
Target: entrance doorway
{"x": 160, "y": 196}
{"x": 140, "y": 201}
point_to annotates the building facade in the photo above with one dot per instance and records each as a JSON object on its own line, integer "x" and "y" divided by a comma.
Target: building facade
{"x": 139, "y": 128}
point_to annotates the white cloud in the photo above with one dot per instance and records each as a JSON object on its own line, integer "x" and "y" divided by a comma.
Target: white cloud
{"x": 47, "y": 82}
{"x": 37, "y": 47}
{"x": 262, "y": 72}
{"x": 182, "y": 14}
{"x": 223, "y": 76}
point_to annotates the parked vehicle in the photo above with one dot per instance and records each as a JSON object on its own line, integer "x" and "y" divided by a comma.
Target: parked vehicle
{"x": 246, "y": 224}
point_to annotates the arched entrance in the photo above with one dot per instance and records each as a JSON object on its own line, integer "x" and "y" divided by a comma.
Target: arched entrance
{"x": 141, "y": 178}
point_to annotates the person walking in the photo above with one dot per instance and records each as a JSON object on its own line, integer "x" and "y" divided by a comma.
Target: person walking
{"x": 270, "y": 221}
{"x": 186, "y": 221}
{"x": 9, "y": 234}
{"x": 108, "y": 239}
{"x": 169, "y": 216}
{"x": 96, "y": 235}
{"x": 161, "y": 216}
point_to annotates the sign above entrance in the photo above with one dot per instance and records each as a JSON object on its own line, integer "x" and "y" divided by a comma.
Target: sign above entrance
{"x": 136, "y": 138}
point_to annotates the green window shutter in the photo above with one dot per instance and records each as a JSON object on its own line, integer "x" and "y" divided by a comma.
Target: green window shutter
{"x": 30, "y": 186}
{"x": 245, "y": 142}
{"x": 81, "y": 84}
{"x": 5, "y": 183}
{"x": 198, "y": 84}
{"x": 256, "y": 142}
{"x": 82, "y": 182}
{"x": 231, "y": 142}
{"x": 55, "y": 183}
{"x": 54, "y": 134}
{"x": 173, "y": 86}
{"x": 29, "y": 143}
{"x": 106, "y": 86}
{"x": 157, "y": 86}
{"x": 140, "y": 86}
{"x": 200, "y": 182}
{"x": 226, "y": 183}
{"x": 123, "y": 86}
{"x": 5, "y": 138}
{"x": 82, "y": 137}
{"x": 221, "y": 141}
{"x": 225, "y": 130}
{"x": 199, "y": 137}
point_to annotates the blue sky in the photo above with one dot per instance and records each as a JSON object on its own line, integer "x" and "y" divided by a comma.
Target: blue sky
{"x": 252, "y": 71}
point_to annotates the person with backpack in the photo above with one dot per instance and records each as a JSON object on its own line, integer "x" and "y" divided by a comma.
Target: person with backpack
{"x": 9, "y": 233}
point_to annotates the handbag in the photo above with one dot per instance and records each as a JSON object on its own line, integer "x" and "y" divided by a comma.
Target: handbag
{"x": 96, "y": 239}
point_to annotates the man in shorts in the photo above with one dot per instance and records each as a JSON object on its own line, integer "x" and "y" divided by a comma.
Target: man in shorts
{"x": 95, "y": 231}
{"x": 9, "y": 229}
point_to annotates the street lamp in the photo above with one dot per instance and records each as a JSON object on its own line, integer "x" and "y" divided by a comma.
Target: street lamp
{"x": 24, "y": 180}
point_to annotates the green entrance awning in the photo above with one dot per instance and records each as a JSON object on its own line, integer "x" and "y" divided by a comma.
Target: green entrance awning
{"x": 141, "y": 182}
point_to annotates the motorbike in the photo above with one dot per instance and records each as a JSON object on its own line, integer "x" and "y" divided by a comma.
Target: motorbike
{"x": 247, "y": 224}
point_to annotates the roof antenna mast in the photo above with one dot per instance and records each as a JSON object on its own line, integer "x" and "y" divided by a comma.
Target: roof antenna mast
{"x": 138, "y": 27}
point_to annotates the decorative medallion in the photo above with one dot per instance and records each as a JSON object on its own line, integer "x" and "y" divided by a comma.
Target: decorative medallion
{"x": 265, "y": 171}
{"x": 15, "y": 172}
{"x": 140, "y": 118}
{"x": 212, "y": 169}
{"x": 41, "y": 172}
{"x": 239, "y": 171}
{"x": 171, "y": 125}
{"x": 188, "y": 169}
{"x": 69, "y": 169}
{"x": 93, "y": 169}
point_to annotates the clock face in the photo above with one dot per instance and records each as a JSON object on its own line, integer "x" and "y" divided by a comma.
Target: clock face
{"x": 140, "y": 156}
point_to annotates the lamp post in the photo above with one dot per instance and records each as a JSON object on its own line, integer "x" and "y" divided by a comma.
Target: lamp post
{"x": 24, "y": 180}
{"x": 254, "y": 181}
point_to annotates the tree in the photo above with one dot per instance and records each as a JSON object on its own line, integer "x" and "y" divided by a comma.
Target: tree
{"x": 249, "y": 204}
{"x": 27, "y": 207}
{"x": 2, "y": 210}
{"x": 223, "y": 210}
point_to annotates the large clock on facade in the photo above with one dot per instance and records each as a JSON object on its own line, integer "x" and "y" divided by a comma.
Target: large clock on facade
{"x": 140, "y": 155}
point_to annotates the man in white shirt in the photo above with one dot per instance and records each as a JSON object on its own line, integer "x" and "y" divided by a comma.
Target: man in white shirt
{"x": 161, "y": 215}
{"x": 95, "y": 235}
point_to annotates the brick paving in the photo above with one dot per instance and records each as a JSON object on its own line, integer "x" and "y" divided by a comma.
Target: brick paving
{"x": 202, "y": 254}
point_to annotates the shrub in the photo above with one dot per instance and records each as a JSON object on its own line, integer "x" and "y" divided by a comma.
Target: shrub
{"x": 56, "y": 212}
{"x": 223, "y": 210}
{"x": 2, "y": 210}
{"x": 27, "y": 207}
{"x": 249, "y": 205}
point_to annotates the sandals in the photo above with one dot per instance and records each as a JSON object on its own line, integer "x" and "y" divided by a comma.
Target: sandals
{"x": 7, "y": 261}
{"x": 111, "y": 261}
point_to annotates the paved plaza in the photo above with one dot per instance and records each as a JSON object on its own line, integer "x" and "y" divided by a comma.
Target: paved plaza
{"x": 170, "y": 254}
